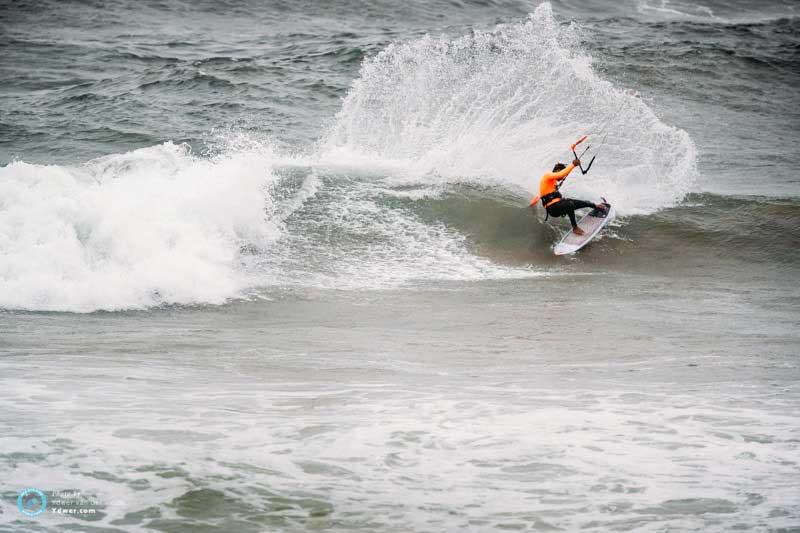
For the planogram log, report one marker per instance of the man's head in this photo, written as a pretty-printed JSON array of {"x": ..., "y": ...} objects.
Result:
[{"x": 559, "y": 167}]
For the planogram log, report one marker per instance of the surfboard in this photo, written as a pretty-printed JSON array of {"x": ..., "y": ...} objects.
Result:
[{"x": 591, "y": 223}]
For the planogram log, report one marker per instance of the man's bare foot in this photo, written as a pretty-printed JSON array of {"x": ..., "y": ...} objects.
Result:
[{"x": 578, "y": 231}]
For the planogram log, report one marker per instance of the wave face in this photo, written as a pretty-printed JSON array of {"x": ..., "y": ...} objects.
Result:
[
  {"x": 505, "y": 105},
  {"x": 128, "y": 231}
]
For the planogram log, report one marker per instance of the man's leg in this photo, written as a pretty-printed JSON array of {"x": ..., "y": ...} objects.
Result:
[
  {"x": 580, "y": 204},
  {"x": 567, "y": 206},
  {"x": 571, "y": 215},
  {"x": 571, "y": 205},
  {"x": 564, "y": 207}
]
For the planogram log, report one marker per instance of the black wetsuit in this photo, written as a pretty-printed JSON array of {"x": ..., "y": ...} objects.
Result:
[{"x": 567, "y": 206}]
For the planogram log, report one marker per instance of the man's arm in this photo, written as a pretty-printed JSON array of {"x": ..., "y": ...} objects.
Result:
[{"x": 562, "y": 174}]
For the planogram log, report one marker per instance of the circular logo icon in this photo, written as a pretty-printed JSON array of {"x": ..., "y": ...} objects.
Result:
[{"x": 31, "y": 502}]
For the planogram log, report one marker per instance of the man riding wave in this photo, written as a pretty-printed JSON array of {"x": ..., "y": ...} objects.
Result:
[{"x": 555, "y": 204}]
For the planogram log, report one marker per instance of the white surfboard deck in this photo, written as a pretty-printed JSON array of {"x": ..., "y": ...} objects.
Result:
[{"x": 592, "y": 223}]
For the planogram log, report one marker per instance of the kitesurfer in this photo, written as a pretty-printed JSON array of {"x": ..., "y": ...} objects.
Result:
[{"x": 555, "y": 204}]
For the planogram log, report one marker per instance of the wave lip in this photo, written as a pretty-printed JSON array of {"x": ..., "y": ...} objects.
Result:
[
  {"x": 504, "y": 105},
  {"x": 150, "y": 227}
]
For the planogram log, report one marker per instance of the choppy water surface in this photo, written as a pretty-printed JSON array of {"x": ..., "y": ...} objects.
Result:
[{"x": 268, "y": 267}]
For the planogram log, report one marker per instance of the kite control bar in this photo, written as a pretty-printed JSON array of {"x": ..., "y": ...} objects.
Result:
[{"x": 576, "y": 143}]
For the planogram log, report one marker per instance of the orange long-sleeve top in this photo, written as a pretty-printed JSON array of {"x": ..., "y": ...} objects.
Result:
[{"x": 549, "y": 182}]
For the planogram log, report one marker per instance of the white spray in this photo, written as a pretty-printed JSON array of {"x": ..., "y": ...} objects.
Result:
[{"x": 505, "y": 105}]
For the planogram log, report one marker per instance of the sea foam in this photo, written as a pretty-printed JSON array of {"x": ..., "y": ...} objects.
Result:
[{"x": 153, "y": 226}]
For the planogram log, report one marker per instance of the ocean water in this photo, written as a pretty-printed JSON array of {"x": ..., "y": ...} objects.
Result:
[{"x": 267, "y": 266}]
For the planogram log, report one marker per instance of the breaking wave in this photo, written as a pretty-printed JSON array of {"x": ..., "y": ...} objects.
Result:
[
  {"x": 367, "y": 208},
  {"x": 132, "y": 230}
]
